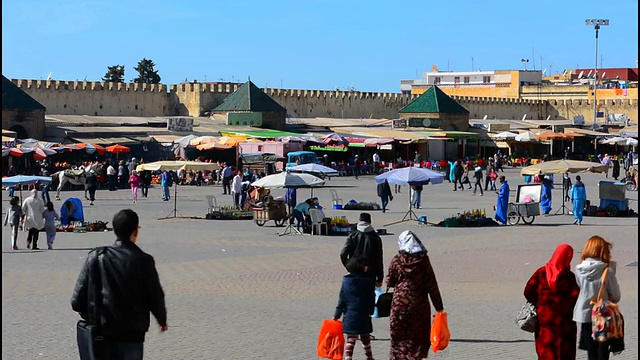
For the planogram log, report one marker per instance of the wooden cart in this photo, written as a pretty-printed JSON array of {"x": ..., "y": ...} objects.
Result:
[{"x": 277, "y": 213}]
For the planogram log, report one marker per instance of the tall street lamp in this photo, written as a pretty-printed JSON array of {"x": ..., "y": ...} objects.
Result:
[{"x": 596, "y": 23}]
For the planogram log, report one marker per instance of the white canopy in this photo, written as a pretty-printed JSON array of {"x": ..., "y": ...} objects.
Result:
[
  {"x": 526, "y": 136},
  {"x": 563, "y": 166},
  {"x": 505, "y": 135},
  {"x": 288, "y": 180},
  {"x": 177, "y": 165},
  {"x": 315, "y": 168}
]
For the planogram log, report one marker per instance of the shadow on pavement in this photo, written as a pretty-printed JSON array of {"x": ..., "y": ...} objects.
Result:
[{"x": 489, "y": 341}]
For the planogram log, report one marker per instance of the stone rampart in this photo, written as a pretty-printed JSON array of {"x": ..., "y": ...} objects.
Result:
[
  {"x": 132, "y": 99},
  {"x": 98, "y": 98}
]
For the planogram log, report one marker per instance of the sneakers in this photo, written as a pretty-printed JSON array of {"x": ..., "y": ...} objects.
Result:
[
  {"x": 35, "y": 248},
  {"x": 49, "y": 247},
  {"x": 575, "y": 221}
]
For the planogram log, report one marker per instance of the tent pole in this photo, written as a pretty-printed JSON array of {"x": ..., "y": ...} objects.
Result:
[{"x": 409, "y": 216}]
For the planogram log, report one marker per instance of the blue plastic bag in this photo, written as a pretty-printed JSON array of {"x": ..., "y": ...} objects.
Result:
[{"x": 378, "y": 292}]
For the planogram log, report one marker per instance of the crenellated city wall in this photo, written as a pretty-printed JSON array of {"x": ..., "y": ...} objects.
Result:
[
  {"x": 132, "y": 99},
  {"x": 98, "y": 98}
]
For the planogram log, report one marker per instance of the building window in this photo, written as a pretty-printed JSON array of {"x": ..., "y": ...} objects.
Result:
[
  {"x": 486, "y": 79},
  {"x": 466, "y": 79},
  {"x": 436, "y": 80},
  {"x": 456, "y": 80}
]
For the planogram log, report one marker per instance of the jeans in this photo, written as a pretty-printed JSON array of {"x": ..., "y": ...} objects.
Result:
[
  {"x": 384, "y": 200},
  {"x": 165, "y": 193},
  {"x": 416, "y": 198},
  {"x": 493, "y": 185},
  {"x": 487, "y": 181},
  {"x": 11, "y": 190},
  {"x": 45, "y": 196},
  {"x": 226, "y": 185},
  {"x": 123, "y": 351},
  {"x": 299, "y": 216}
]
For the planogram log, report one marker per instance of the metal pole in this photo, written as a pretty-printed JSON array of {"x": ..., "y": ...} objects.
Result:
[{"x": 595, "y": 84}]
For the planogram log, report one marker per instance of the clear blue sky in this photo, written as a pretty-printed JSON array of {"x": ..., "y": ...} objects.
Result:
[{"x": 309, "y": 44}]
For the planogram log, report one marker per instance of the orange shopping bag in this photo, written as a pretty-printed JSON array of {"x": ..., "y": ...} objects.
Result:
[
  {"x": 440, "y": 334},
  {"x": 330, "y": 340}
]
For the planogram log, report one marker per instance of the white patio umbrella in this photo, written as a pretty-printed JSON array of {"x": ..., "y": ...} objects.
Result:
[
  {"x": 288, "y": 180},
  {"x": 526, "y": 137},
  {"x": 505, "y": 135},
  {"x": 315, "y": 168},
  {"x": 410, "y": 176}
]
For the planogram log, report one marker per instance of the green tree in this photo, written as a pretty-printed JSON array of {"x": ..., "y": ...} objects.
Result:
[
  {"x": 146, "y": 73},
  {"x": 114, "y": 74}
]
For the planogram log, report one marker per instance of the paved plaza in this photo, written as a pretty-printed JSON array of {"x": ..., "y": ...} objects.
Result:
[{"x": 238, "y": 291}]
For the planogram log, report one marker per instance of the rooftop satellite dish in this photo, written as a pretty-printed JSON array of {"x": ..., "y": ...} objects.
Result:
[
  {"x": 524, "y": 117},
  {"x": 580, "y": 75},
  {"x": 564, "y": 73},
  {"x": 544, "y": 72},
  {"x": 603, "y": 74},
  {"x": 49, "y": 77},
  {"x": 589, "y": 74},
  {"x": 548, "y": 117},
  {"x": 485, "y": 117},
  {"x": 434, "y": 68}
]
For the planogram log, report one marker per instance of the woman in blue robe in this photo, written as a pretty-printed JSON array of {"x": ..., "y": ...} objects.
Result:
[
  {"x": 578, "y": 197},
  {"x": 503, "y": 201},
  {"x": 545, "y": 201}
]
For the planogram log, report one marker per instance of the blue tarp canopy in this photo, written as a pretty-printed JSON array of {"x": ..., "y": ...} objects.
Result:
[
  {"x": 76, "y": 211},
  {"x": 12, "y": 181}
]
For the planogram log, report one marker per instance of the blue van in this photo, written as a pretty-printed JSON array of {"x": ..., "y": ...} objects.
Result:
[{"x": 300, "y": 157}]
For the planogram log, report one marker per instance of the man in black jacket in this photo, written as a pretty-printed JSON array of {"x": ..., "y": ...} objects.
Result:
[
  {"x": 384, "y": 192},
  {"x": 365, "y": 242},
  {"x": 129, "y": 289}
]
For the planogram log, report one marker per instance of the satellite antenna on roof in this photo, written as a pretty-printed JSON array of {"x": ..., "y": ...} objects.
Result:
[
  {"x": 49, "y": 76},
  {"x": 485, "y": 117},
  {"x": 580, "y": 75},
  {"x": 564, "y": 73},
  {"x": 589, "y": 74},
  {"x": 524, "y": 117},
  {"x": 85, "y": 78},
  {"x": 548, "y": 117},
  {"x": 544, "y": 72},
  {"x": 603, "y": 74}
]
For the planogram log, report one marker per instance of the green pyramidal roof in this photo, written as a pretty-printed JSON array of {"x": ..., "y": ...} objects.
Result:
[
  {"x": 249, "y": 97},
  {"x": 14, "y": 98},
  {"x": 434, "y": 100}
]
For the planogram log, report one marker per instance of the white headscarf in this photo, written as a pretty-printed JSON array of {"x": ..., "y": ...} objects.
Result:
[{"x": 409, "y": 243}]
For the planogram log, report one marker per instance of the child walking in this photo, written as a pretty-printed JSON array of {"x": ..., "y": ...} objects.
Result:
[
  {"x": 493, "y": 175},
  {"x": 356, "y": 302},
  {"x": 134, "y": 181},
  {"x": 50, "y": 216},
  {"x": 14, "y": 214}
]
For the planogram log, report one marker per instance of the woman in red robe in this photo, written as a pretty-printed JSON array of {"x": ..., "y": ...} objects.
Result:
[{"x": 554, "y": 291}]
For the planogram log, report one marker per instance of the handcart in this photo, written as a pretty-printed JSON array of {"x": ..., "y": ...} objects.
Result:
[
  {"x": 613, "y": 197},
  {"x": 527, "y": 205},
  {"x": 274, "y": 211}
]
